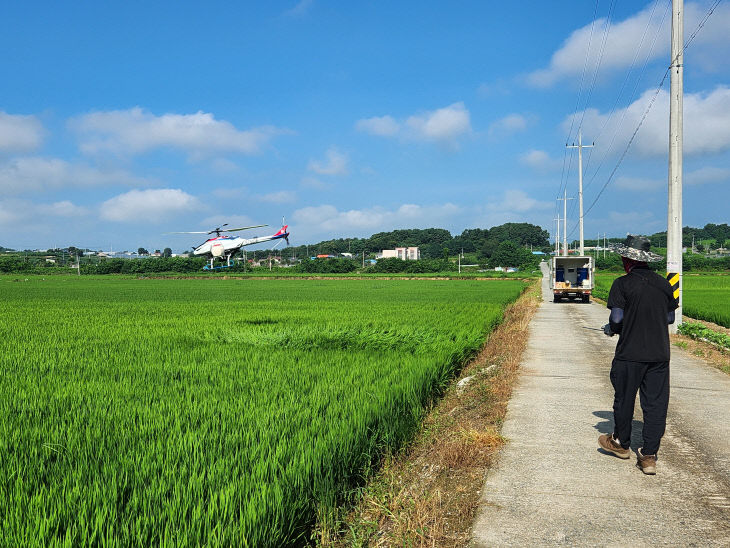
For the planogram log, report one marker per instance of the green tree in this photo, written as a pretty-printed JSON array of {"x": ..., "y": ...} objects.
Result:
[
  {"x": 508, "y": 253},
  {"x": 167, "y": 252}
]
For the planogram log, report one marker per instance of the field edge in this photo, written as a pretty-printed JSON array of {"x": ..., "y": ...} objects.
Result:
[{"x": 428, "y": 493}]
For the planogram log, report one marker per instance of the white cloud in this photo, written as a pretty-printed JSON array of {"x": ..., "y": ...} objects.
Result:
[
  {"x": 633, "y": 221},
  {"x": 135, "y": 131},
  {"x": 33, "y": 174},
  {"x": 514, "y": 206},
  {"x": 518, "y": 201},
  {"x": 224, "y": 166},
  {"x": 12, "y": 212},
  {"x": 508, "y": 125},
  {"x": 16, "y": 211},
  {"x": 64, "y": 208},
  {"x": 300, "y": 9},
  {"x": 148, "y": 205},
  {"x": 336, "y": 163},
  {"x": 444, "y": 125},
  {"x": 313, "y": 183},
  {"x": 230, "y": 193},
  {"x": 383, "y": 126},
  {"x": 706, "y": 124},
  {"x": 540, "y": 161},
  {"x": 706, "y": 175},
  {"x": 279, "y": 197},
  {"x": 498, "y": 87},
  {"x": 242, "y": 193},
  {"x": 639, "y": 183},
  {"x": 328, "y": 219},
  {"x": 19, "y": 132},
  {"x": 625, "y": 45}
]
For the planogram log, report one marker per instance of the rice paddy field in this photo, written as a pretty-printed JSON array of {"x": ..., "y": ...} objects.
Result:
[
  {"x": 705, "y": 297},
  {"x": 140, "y": 412}
]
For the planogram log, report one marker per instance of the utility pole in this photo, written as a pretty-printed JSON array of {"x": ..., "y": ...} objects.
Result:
[
  {"x": 580, "y": 146},
  {"x": 557, "y": 234},
  {"x": 674, "y": 213},
  {"x": 565, "y": 221}
]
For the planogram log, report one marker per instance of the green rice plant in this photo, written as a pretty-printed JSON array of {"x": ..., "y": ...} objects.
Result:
[
  {"x": 707, "y": 298},
  {"x": 214, "y": 412}
]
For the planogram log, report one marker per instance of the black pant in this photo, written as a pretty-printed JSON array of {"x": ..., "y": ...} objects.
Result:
[{"x": 653, "y": 380}]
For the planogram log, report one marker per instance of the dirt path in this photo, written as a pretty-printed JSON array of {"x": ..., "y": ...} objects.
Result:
[{"x": 552, "y": 486}]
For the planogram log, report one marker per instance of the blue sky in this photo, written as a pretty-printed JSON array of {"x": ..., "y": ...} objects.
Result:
[{"x": 122, "y": 121}]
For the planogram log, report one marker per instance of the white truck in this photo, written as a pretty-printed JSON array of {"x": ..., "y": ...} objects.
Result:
[{"x": 572, "y": 277}]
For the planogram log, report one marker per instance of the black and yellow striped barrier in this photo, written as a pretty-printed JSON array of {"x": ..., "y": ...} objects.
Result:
[{"x": 673, "y": 278}]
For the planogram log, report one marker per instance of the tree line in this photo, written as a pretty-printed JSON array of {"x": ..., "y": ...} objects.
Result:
[{"x": 434, "y": 243}]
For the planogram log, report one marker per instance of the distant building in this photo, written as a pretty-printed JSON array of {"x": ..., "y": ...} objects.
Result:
[{"x": 404, "y": 253}]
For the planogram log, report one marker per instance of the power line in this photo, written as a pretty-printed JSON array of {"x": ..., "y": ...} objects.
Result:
[
  {"x": 564, "y": 174},
  {"x": 648, "y": 108},
  {"x": 606, "y": 30},
  {"x": 606, "y": 150},
  {"x": 585, "y": 66}
]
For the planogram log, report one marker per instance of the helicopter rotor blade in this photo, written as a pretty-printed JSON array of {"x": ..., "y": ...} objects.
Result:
[
  {"x": 216, "y": 230},
  {"x": 242, "y": 228}
]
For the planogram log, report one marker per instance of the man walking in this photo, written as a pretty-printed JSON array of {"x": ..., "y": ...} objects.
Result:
[{"x": 642, "y": 306}]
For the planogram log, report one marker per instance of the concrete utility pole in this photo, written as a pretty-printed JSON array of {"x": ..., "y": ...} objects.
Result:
[
  {"x": 674, "y": 213},
  {"x": 565, "y": 221},
  {"x": 580, "y": 146},
  {"x": 557, "y": 234}
]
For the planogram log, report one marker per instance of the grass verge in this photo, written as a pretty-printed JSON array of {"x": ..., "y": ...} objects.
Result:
[
  {"x": 714, "y": 355},
  {"x": 427, "y": 495}
]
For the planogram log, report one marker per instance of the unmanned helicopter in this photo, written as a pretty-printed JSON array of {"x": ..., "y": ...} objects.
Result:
[{"x": 224, "y": 247}]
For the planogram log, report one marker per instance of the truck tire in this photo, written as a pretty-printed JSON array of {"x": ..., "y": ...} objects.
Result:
[
  {"x": 556, "y": 298},
  {"x": 586, "y": 298}
]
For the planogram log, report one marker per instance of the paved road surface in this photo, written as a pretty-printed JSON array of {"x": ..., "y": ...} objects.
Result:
[{"x": 553, "y": 486}]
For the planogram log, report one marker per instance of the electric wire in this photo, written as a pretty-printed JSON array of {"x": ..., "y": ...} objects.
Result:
[
  {"x": 583, "y": 73},
  {"x": 648, "y": 108},
  {"x": 606, "y": 31},
  {"x": 563, "y": 175},
  {"x": 609, "y": 118},
  {"x": 609, "y": 148}
]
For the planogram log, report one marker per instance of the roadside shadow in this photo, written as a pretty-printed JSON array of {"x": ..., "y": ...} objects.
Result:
[{"x": 606, "y": 427}]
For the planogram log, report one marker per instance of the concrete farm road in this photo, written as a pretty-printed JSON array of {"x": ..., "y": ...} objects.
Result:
[{"x": 552, "y": 485}]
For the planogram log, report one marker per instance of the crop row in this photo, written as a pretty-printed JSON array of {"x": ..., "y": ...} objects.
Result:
[{"x": 214, "y": 412}]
